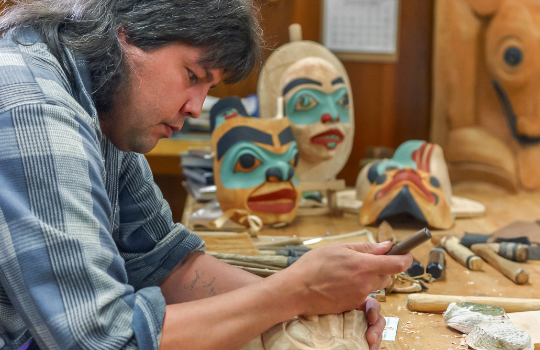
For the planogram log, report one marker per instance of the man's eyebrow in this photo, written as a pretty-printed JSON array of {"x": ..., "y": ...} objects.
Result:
[
  {"x": 209, "y": 77},
  {"x": 297, "y": 82},
  {"x": 337, "y": 81}
]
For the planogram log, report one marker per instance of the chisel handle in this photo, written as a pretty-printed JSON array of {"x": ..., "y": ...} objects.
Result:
[
  {"x": 461, "y": 254},
  {"x": 510, "y": 269}
]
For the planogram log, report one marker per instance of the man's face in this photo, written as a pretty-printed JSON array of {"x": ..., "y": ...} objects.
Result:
[{"x": 164, "y": 87}]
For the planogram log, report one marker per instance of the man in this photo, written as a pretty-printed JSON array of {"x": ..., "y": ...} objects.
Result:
[{"x": 89, "y": 255}]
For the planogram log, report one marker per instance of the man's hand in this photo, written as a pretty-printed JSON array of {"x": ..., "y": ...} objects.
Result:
[
  {"x": 372, "y": 309},
  {"x": 339, "y": 277}
]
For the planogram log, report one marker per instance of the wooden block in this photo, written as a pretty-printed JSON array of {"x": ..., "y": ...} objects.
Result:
[{"x": 529, "y": 321}]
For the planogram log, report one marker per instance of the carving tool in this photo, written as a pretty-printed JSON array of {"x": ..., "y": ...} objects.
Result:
[
  {"x": 439, "y": 303},
  {"x": 510, "y": 269},
  {"x": 436, "y": 262},
  {"x": 410, "y": 243},
  {"x": 461, "y": 254},
  {"x": 416, "y": 268},
  {"x": 266, "y": 260},
  {"x": 511, "y": 251}
]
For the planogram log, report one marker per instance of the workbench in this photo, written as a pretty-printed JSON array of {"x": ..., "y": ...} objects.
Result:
[{"x": 423, "y": 331}]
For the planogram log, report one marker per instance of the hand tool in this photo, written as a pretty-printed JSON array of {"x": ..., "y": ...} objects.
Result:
[
  {"x": 436, "y": 262},
  {"x": 416, "y": 268},
  {"x": 461, "y": 254},
  {"x": 410, "y": 243},
  {"x": 510, "y": 269},
  {"x": 511, "y": 251},
  {"x": 439, "y": 303}
]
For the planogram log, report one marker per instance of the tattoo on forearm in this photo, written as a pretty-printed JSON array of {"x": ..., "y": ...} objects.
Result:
[
  {"x": 194, "y": 281},
  {"x": 209, "y": 284},
  {"x": 212, "y": 291}
]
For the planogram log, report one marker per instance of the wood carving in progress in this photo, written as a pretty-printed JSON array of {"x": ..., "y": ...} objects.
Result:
[
  {"x": 486, "y": 110},
  {"x": 345, "y": 331}
]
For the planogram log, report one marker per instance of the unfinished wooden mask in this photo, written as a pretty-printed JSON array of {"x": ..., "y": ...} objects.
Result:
[
  {"x": 317, "y": 99},
  {"x": 415, "y": 182},
  {"x": 346, "y": 331},
  {"x": 254, "y": 166},
  {"x": 487, "y": 90}
]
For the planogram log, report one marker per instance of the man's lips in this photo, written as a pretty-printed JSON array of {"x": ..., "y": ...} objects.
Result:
[
  {"x": 330, "y": 138},
  {"x": 280, "y": 202},
  {"x": 410, "y": 176}
]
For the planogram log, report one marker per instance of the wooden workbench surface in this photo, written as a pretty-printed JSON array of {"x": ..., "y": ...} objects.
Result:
[{"x": 429, "y": 331}]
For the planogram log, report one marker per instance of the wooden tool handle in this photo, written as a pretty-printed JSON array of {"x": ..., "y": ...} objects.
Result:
[
  {"x": 510, "y": 269},
  {"x": 284, "y": 242},
  {"x": 276, "y": 260},
  {"x": 512, "y": 251},
  {"x": 461, "y": 254},
  {"x": 439, "y": 303}
]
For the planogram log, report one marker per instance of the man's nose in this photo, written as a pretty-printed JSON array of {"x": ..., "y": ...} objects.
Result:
[{"x": 193, "y": 106}]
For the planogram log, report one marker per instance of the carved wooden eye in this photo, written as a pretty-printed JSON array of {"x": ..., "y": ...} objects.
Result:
[
  {"x": 246, "y": 163},
  {"x": 344, "y": 101},
  {"x": 513, "y": 56},
  {"x": 305, "y": 102}
]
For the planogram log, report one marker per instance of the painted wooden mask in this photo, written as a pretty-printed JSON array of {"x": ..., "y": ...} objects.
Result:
[
  {"x": 254, "y": 166},
  {"x": 316, "y": 99},
  {"x": 317, "y": 95},
  {"x": 415, "y": 182}
]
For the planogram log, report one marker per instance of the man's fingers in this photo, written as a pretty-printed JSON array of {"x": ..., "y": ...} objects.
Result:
[
  {"x": 391, "y": 264},
  {"x": 374, "y": 333},
  {"x": 372, "y": 310},
  {"x": 370, "y": 248}
]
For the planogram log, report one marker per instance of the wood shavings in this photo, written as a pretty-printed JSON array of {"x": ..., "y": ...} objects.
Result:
[{"x": 430, "y": 315}]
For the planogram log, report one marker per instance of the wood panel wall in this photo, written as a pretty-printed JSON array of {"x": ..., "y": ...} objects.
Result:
[{"x": 392, "y": 100}]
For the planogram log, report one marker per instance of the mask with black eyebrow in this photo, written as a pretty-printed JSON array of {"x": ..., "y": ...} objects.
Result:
[
  {"x": 254, "y": 167},
  {"x": 317, "y": 101},
  {"x": 414, "y": 181}
]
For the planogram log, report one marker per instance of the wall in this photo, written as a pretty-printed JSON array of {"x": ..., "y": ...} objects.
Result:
[{"x": 392, "y": 100}]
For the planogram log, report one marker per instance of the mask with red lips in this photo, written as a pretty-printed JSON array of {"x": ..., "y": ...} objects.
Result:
[
  {"x": 318, "y": 103},
  {"x": 254, "y": 166},
  {"x": 415, "y": 182}
]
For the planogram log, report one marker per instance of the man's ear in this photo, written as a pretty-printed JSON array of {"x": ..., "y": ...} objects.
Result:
[
  {"x": 122, "y": 36},
  {"x": 484, "y": 8}
]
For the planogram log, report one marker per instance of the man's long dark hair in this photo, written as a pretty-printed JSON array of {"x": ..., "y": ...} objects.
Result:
[{"x": 228, "y": 31}]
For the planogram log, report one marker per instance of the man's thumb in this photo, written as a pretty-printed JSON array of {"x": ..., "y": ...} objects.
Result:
[{"x": 371, "y": 248}]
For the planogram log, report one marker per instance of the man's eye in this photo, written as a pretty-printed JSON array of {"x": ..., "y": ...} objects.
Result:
[
  {"x": 344, "y": 101},
  {"x": 246, "y": 163},
  {"x": 192, "y": 77},
  {"x": 305, "y": 102}
]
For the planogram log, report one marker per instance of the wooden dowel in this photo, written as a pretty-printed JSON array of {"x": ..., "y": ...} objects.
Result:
[
  {"x": 510, "y": 269},
  {"x": 258, "y": 272},
  {"x": 276, "y": 261},
  {"x": 461, "y": 254},
  {"x": 439, "y": 303},
  {"x": 250, "y": 264}
]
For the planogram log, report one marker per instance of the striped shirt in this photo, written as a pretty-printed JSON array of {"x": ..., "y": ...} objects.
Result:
[{"x": 85, "y": 234}]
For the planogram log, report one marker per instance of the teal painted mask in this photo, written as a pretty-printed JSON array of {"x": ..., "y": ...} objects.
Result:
[
  {"x": 317, "y": 101},
  {"x": 254, "y": 167}
]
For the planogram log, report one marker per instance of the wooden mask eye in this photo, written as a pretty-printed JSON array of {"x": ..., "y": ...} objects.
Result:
[
  {"x": 344, "y": 101},
  {"x": 305, "y": 102},
  {"x": 246, "y": 163}
]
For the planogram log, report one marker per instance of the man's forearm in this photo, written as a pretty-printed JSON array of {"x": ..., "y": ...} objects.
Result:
[
  {"x": 201, "y": 276},
  {"x": 242, "y": 307}
]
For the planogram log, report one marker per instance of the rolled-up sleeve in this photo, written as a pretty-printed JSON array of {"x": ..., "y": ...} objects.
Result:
[{"x": 80, "y": 274}]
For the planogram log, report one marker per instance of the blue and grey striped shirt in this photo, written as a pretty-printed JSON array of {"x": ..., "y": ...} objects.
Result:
[{"x": 85, "y": 234}]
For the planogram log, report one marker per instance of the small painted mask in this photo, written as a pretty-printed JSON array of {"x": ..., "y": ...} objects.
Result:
[
  {"x": 254, "y": 166},
  {"x": 415, "y": 182},
  {"x": 317, "y": 101}
]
